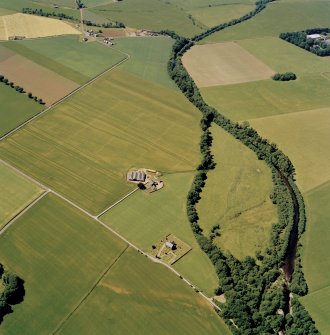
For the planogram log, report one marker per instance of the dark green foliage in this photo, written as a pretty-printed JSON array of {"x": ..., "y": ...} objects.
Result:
[
  {"x": 13, "y": 291},
  {"x": 287, "y": 76},
  {"x": 316, "y": 46}
]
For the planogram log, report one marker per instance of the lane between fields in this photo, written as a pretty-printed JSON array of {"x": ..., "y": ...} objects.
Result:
[{"x": 96, "y": 218}]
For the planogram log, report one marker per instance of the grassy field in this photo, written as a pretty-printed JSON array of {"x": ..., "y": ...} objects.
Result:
[
  {"x": 223, "y": 64},
  {"x": 277, "y": 18},
  {"x": 149, "y": 57},
  {"x": 147, "y": 218},
  {"x": 60, "y": 254},
  {"x": 316, "y": 258},
  {"x": 78, "y": 147},
  {"x": 305, "y": 138},
  {"x": 15, "y": 108},
  {"x": 268, "y": 97},
  {"x": 15, "y": 194},
  {"x": 149, "y": 14},
  {"x": 213, "y": 15},
  {"x": 32, "y": 26},
  {"x": 77, "y": 61},
  {"x": 156, "y": 300},
  {"x": 236, "y": 197},
  {"x": 195, "y": 4}
]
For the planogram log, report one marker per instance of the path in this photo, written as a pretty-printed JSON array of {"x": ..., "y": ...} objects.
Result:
[{"x": 96, "y": 218}]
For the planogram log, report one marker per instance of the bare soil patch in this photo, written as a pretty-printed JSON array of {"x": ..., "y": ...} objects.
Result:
[
  {"x": 36, "y": 79},
  {"x": 224, "y": 64}
]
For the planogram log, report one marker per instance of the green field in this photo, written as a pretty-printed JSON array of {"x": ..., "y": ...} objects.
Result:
[
  {"x": 15, "y": 194},
  {"x": 15, "y": 108},
  {"x": 78, "y": 147},
  {"x": 147, "y": 218},
  {"x": 77, "y": 61},
  {"x": 277, "y": 18},
  {"x": 305, "y": 138},
  {"x": 267, "y": 97},
  {"x": 236, "y": 197},
  {"x": 60, "y": 254},
  {"x": 149, "y": 14},
  {"x": 195, "y": 4},
  {"x": 316, "y": 258},
  {"x": 139, "y": 297},
  {"x": 148, "y": 58},
  {"x": 213, "y": 15}
]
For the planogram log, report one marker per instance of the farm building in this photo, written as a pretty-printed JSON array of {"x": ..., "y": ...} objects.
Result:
[
  {"x": 314, "y": 36},
  {"x": 136, "y": 176},
  {"x": 170, "y": 245}
]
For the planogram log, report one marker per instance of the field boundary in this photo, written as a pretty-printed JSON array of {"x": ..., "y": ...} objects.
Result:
[
  {"x": 107, "y": 269},
  {"x": 22, "y": 211},
  {"x": 49, "y": 108}
]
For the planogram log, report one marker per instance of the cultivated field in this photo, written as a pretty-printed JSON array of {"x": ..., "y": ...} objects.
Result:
[
  {"x": 78, "y": 147},
  {"x": 149, "y": 14},
  {"x": 316, "y": 258},
  {"x": 305, "y": 138},
  {"x": 223, "y": 64},
  {"x": 213, "y": 15},
  {"x": 60, "y": 254},
  {"x": 268, "y": 97},
  {"x": 277, "y": 18},
  {"x": 149, "y": 58},
  {"x": 77, "y": 61},
  {"x": 147, "y": 218},
  {"x": 32, "y": 26},
  {"x": 155, "y": 300},
  {"x": 34, "y": 78},
  {"x": 15, "y": 108},
  {"x": 16, "y": 193},
  {"x": 236, "y": 197}
]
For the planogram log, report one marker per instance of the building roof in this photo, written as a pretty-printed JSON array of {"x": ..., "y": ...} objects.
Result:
[
  {"x": 314, "y": 36},
  {"x": 136, "y": 176}
]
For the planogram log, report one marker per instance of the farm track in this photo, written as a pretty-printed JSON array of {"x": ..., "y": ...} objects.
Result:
[{"x": 96, "y": 218}]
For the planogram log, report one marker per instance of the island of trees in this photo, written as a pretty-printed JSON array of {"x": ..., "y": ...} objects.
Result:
[{"x": 287, "y": 76}]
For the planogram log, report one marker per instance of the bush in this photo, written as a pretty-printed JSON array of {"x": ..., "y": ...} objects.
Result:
[{"x": 287, "y": 76}]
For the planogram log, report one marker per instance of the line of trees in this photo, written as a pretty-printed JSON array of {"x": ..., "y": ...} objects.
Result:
[
  {"x": 255, "y": 293},
  {"x": 317, "y": 46},
  {"x": 20, "y": 89},
  {"x": 12, "y": 292},
  {"x": 286, "y": 76},
  {"x": 61, "y": 16}
]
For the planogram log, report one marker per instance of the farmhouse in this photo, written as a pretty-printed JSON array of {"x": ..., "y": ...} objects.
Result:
[
  {"x": 139, "y": 176},
  {"x": 314, "y": 36},
  {"x": 170, "y": 245}
]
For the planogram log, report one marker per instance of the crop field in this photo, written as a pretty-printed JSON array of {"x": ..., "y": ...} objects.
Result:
[
  {"x": 195, "y": 4},
  {"x": 156, "y": 301},
  {"x": 305, "y": 138},
  {"x": 149, "y": 58},
  {"x": 60, "y": 253},
  {"x": 146, "y": 218},
  {"x": 276, "y": 19},
  {"x": 223, "y": 64},
  {"x": 50, "y": 86},
  {"x": 78, "y": 147},
  {"x": 213, "y": 15},
  {"x": 268, "y": 97},
  {"x": 316, "y": 257},
  {"x": 15, "y": 109},
  {"x": 32, "y": 26},
  {"x": 149, "y": 14},
  {"x": 15, "y": 194},
  {"x": 236, "y": 197},
  {"x": 77, "y": 61}
]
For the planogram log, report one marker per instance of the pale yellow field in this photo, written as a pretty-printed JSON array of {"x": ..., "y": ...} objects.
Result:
[
  {"x": 305, "y": 138},
  {"x": 224, "y": 64},
  {"x": 32, "y": 26},
  {"x": 38, "y": 80}
]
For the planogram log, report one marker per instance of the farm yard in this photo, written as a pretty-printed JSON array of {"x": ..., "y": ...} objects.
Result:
[
  {"x": 145, "y": 219},
  {"x": 223, "y": 64},
  {"x": 15, "y": 194},
  {"x": 242, "y": 209}
]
